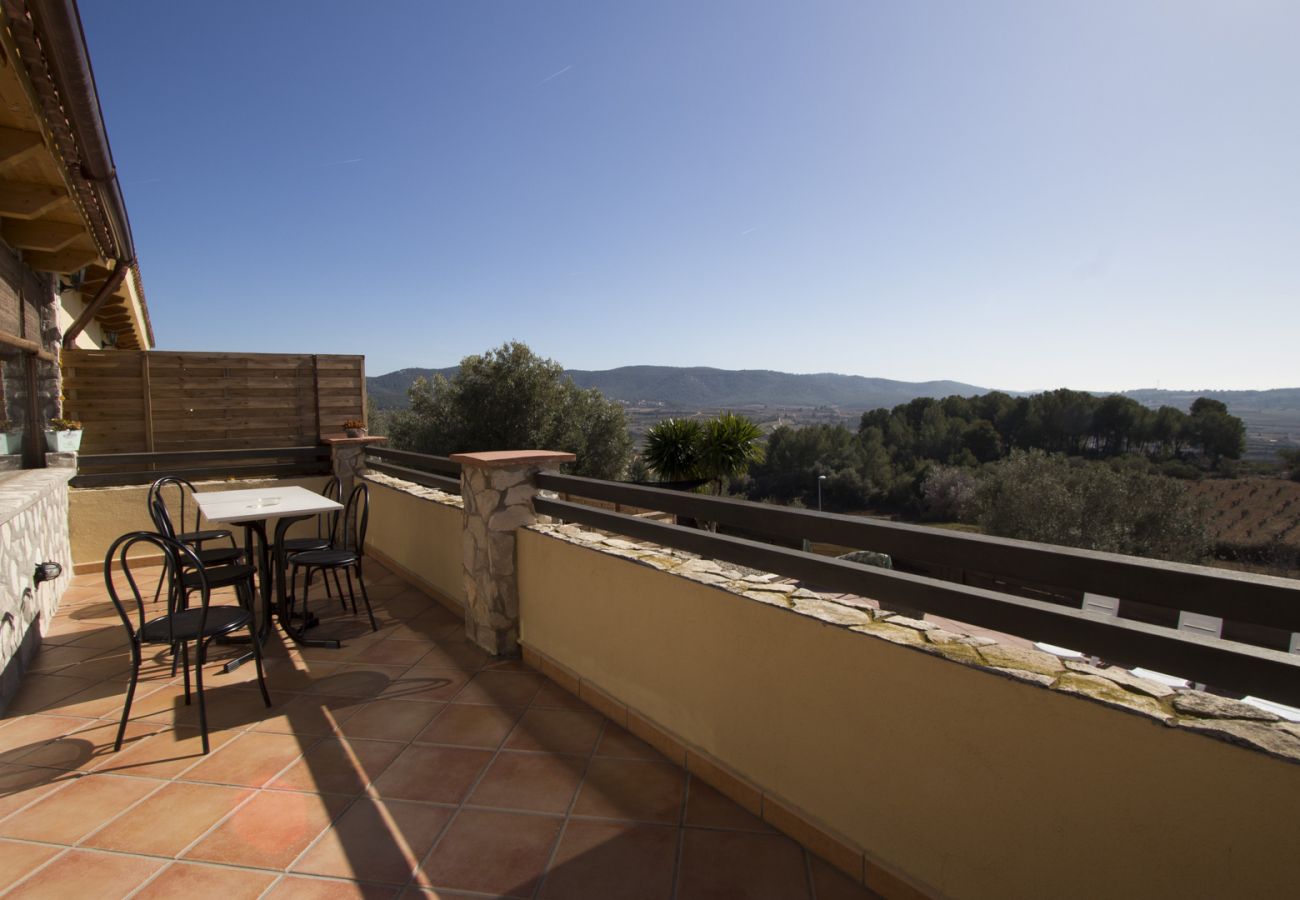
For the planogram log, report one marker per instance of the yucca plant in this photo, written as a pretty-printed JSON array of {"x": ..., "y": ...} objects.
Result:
[
  {"x": 673, "y": 448},
  {"x": 730, "y": 447}
]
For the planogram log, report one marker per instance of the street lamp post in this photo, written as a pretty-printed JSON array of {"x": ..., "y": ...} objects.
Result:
[{"x": 820, "y": 479}]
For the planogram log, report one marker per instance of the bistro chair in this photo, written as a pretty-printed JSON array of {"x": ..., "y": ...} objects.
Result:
[
  {"x": 195, "y": 538},
  {"x": 219, "y": 570},
  {"x": 182, "y": 624},
  {"x": 345, "y": 555},
  {"x": 326, "y": 526},
  {"x": 194, "y": 534}
]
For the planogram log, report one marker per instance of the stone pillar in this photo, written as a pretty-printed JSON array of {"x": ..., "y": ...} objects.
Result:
[
  {"x": 348, "y": 459},
  {"x": 498, "y": 491}
]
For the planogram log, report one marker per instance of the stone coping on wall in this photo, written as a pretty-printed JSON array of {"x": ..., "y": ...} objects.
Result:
[
  {"x": 1197, "y": 711},
  {"x": 20, "y": 490},
  {"x": 502, "y": 459},
  {"x": 433, "y": 495}
]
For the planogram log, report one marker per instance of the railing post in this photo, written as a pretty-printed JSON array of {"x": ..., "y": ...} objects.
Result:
[
  {"x": 498, "y": 491},
  {"x": 348, "y": 458}
]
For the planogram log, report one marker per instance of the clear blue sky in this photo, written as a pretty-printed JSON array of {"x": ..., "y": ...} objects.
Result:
[{"x": 1101, "y": 195}]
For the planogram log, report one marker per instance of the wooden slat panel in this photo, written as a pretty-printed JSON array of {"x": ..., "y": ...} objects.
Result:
[{"x": 194, "y": 401}]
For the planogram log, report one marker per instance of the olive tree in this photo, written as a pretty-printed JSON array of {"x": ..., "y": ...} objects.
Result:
[{"x": 512, "y": 399}]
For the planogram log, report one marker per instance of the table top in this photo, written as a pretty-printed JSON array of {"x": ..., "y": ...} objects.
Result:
[{"x": 262, "y": 503}]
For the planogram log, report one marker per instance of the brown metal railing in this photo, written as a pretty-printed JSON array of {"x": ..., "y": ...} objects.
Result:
[
  {"x": 420, "y": 468},
  {"x": 1255, "y": 600}
]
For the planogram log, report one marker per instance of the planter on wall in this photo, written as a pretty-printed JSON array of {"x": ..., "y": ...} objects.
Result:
[
  {"x": 63, "y": 441},
  {"x": 11, "y": 442}
]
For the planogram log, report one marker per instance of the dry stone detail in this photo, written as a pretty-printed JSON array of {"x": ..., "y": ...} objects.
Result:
[{"x": 497, "y": 501}]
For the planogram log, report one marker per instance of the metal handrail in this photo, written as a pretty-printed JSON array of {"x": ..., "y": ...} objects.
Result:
[{"x": 1228, "y": 664}]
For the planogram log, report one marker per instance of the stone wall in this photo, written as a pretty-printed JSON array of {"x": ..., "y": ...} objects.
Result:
[{"x": 33, "y": 529}]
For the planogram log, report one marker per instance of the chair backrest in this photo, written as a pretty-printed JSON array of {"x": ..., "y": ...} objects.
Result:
[
  {"x": 158, "y": 492},
  {"x": 333, "y": 489},
  {"x": 356, "y": 517},
  {"x": 175, "y": 557},
  {"x": 161, "y": 518}
]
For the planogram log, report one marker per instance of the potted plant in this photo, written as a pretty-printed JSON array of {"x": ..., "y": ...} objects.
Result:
[
  {"x": 11, "y": 438},
  {"x": 63, "y": 435},
  {"x": 354, "y": 428}
]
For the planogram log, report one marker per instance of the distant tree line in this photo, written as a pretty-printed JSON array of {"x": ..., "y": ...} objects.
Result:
[{"x": 886, "y": 461}]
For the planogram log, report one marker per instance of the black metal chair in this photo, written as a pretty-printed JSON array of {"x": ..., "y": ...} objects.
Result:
[
  {"x": 219, "y": 568},
  {"x": 195, "y": 538},
  {"x": 196, "y": 535},
  {"x": 345, "y": 555},
  {"x": 183, "y": 575},
  {"x": 327, "y": 525}
]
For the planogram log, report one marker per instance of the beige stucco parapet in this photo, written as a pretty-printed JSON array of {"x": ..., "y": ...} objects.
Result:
[{"x": 1117, "y": 688}]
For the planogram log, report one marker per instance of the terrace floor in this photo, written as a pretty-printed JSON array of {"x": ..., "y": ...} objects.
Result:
[{"x": 408, "y": 763}]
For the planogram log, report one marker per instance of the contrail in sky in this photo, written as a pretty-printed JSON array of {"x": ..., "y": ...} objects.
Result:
[
  {"x": 343, "y": 162},
  {"x": 554, "y": 75}
]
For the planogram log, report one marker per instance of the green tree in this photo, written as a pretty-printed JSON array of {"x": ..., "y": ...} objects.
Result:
[
  {"x": 1051, "y": 498},
  {"x": 1290, "y": 457},
  {"x": 512, "y": 399},
  {"x": 1219, "y": 434}
]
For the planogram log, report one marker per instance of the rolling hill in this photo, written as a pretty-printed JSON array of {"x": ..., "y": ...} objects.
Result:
[{"x": 679, "y": 388}]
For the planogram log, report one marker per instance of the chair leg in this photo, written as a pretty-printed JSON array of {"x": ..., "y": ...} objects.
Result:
[
  {"x": 200, "y": 646},
  {"x": 352, "y": 594},
  {"x": 130, "y": 695},
  {"x": 185, "y": 666},
  {"x": 342, "y": 602},
  {"x": 257, "y": 661},
  {"x": 365, "y": 596},
  {"x": 306, "y": 590}
]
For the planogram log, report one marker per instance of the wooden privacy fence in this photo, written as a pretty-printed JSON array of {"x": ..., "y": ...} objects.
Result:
[{"x": 132, "y": 401}]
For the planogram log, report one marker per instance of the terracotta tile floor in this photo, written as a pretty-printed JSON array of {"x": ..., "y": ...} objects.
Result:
[{"x": 407, "y": 763}]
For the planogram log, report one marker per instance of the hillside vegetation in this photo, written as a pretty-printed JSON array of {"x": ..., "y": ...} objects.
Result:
[{"x": 702, "y": 387}]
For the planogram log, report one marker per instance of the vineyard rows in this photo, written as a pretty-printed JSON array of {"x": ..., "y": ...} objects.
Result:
[{"x": 1251, "y": 512}]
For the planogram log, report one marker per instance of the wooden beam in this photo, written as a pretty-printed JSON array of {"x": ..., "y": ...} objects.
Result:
[
  {"x": 88, "y": 314},
  {"x": 16, "y": 145},
  {"x": 20, "y": 200},
  {"x": 39, "y": 234},
  {"x": 35, "y": 349},
  {"x": 64, "y": 262}
]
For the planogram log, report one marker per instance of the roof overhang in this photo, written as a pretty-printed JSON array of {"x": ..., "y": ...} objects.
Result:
[{"x": 60, "y": 202}]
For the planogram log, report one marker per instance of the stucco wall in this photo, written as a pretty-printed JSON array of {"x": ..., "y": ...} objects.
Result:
[
  {"x": 419, "y": 531},
  {"x": 33, "y": 529},
  {"x": 100, "y": 515},
  {"x": 968, "y": 783}
]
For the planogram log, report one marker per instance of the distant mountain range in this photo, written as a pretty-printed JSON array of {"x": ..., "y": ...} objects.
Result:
[{"x": 685, "y": 388}]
